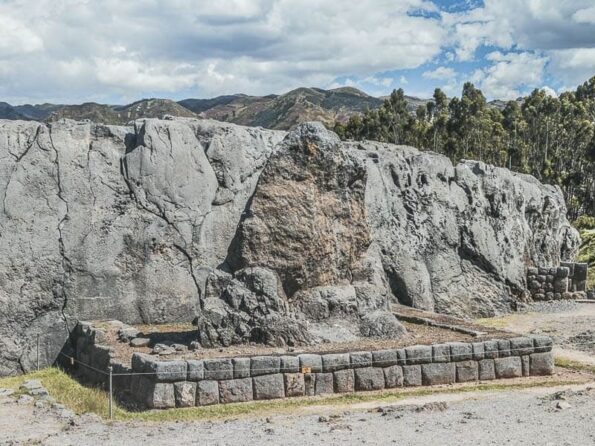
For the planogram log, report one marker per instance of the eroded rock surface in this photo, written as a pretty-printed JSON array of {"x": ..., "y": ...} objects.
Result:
[{"x": 164, "y": 221}]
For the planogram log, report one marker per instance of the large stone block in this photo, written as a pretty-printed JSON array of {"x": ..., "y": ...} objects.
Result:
[
  {"x": 309, "y": 384},
  {"x": 344, "y": 381},
  {"x": 235, "y": 390},
  {"x": 324, "y": 383},
  {"x": 165, "y": 371},
  {"x": 541, "y": 364},
  {"x": 265, "y": 365},
  {"x": 294, "y": 384},
  {"x": 460, "y": 351},
  {"x": 160, "y": 396},
  {"x": 384, "y": 358},
  {"x": 241, "y": 367},
  {"x": 521, "y": 346},
  {"x": 490, "y": 349},
  {"x": 268, "y": 387},
  {"x": 526, "y": 361},
  {"x": 360, "y": 359},
  {"x": 441, "y": 353},
  {"x": 401, "y": 357},
  {"x": 289, "y": 364},
  {"x": 412, "y": 375},
  {"x": 418, "y": 354},
  {"x": 542, "y": 344},
  {"x": 560, "y": 285},
  {"x": 467, "y": 371},
  {"x": 393, "y": 376},
  {"x": 438, "y": 373},
  {"x": 218, "y": 369},
  {"x": 185, "y": 394},
  {"x": 510, "y": 367},
  {"x": 478, "y": 350},
  {"x": 311, "y": 361},
  {"x": 196, "y": 370},
  {"x": 487, "y": 370},
  {"x": 335, "y": 361},
  {"x": 207, "y": 393},
  {"x": 503, "y": 348},
  {"x": 369, "y": 378}
]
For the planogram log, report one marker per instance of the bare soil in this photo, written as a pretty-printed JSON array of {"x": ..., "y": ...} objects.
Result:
[{"x": 417, "y": 334}]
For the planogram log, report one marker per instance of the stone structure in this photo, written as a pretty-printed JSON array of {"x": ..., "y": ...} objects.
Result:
[
  {"x": 157, "y": 384},
  {"x": 568, "y": 281},
  {"x": 263, "y": 236}
]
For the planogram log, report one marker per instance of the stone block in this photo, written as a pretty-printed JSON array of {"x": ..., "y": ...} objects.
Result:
[
  {"x": 324, "y": 384},
  {"x": 570, "y": 266},
  {"x": 580, "y": 273},
  {"x": 384, "y": 358},
  {"x": 460, "y": 351},
  {"x": 549, "y": 295},
  {"x": 241, "y": 367},
  {"x": 526, "y": 362},
  {"x": 541, "y": 364},
  {"x": 167, "y": 371},
  {"x": 487, "y": 369},
  {"x": 438, "y": 373},
  {"x": 160, "y": 396},
  {"x": 393, "y": 376},
  {"x": 185, "y": 394},
  {"x": 550, "y": 278},
  {"x": 503, "y": 348},
  {"x": 289, "y": 364},
  {"x": 196, "y": 370},
  {"x": 294, "y": 384},
  {"x": 490, "y": 349},
  {"x": 218, "y": 369},
  {"x": 557, "y": 296},
  {"x": 478, "y": 350},
  {"x": 401, "y": 357},
  {"x": 560, "y": 285},
  {"x": 562, "y": 272},
  {"x": 235, "y": 390},
  {"x": 335, "y": 361},
  {"x": 309, "y": 383},
  {"x": 441, "y": 353},
  {"x": 541, "y": 278},
  {"x": 412, "y": 375},
  {"x": 542, "y": 344},
  {"x": 360, "y": 359},
  {"x": 344, "y": 381},
  {"x": 532, "y": 271},
  {"x": 418, "y": 354},
  {"x": 207, "y": 393},
  {"x": 510, "y": 367},
  {"x": 467, "y": 371},
  {"x": 312, "y": 361},
  {"x": 369, "y": 378},
  {"x": 521, "y": 346},
  {"x": 265, "y": 365},
  {"x": 268, "y": 387},
  {"x": 534, "y": 285}
]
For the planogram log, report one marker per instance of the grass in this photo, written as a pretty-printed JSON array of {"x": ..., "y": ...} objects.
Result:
[
  {"x": 587, "y": 254},
  {"x": 82, "y": 399},
  {"x": 574, "y": 365}
]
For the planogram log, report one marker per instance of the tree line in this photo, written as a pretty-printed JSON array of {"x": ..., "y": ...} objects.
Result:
[{"x": 551, "y": 138}]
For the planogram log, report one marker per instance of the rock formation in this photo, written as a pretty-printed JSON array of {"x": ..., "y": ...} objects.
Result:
[{"x": 263, "y": 236}]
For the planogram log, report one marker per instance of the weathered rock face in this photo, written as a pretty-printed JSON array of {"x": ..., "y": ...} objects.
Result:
[{"x": 164, "y": 221}]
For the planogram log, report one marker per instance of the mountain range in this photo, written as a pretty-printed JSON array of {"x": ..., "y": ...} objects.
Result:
[{"x": 281, "y": 112}]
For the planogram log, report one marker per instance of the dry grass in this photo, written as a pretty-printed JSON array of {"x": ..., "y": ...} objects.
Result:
[
  {"x": 82, "y": 399},
  {"x": 574, "y": 365}
]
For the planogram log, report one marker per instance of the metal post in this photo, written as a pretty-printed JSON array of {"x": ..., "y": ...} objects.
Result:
[
  {"x": 110, "y": 368},
  {"x": 37, "y": 352}
]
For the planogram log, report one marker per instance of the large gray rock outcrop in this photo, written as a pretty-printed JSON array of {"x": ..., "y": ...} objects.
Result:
[{"x": 163, "y": 220}]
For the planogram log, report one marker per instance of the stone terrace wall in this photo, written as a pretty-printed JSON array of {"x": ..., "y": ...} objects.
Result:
[
  {"x": 568, "y": 281},
  {"x": 185, "y": 383}
]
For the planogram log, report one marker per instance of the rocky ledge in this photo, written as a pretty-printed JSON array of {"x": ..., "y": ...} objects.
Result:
[{"x": 259, "y": 235}]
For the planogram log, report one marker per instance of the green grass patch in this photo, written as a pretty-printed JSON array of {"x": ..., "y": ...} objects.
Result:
[
  {"x": 574, "y": 365},
  {"x": 587, "y": 253},
  {"x": 81, "y": 399}
]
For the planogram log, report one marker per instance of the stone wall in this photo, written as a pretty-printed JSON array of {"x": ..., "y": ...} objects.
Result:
[
  {"x": 157, "y": 384},
  {"x": 568, "y": 281}
]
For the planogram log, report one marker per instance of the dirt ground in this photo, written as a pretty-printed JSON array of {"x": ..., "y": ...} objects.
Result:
[{"x": 532, "y": 416}]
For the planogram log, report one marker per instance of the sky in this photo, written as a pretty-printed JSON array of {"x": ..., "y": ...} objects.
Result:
[{"x": 118, "y": 51}]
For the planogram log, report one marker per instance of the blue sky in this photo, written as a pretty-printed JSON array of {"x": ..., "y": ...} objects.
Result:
[{"x": 115, "y": 51}]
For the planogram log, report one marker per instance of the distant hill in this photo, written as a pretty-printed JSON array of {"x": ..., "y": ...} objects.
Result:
[{"x": 273, "y": 111}]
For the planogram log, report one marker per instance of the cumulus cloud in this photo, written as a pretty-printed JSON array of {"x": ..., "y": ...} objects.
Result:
[{"x": 440, "y": 73}]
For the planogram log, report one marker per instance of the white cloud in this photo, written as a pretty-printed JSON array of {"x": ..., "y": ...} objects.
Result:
[
  {"x": 508, "y": 73},
  {"x": 16, "y": 38},
  {"x": 586, "y": 15},
  {"x": 440, "y": 73}
]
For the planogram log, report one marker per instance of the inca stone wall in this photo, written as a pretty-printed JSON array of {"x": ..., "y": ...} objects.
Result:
[
  {"x": 568, "y": 281},
  {"x": 153, "y": 383},
  {"x": 167, "y": 221}
]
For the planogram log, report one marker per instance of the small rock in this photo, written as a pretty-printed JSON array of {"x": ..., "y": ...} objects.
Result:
[
  {"x": 31, "y": 384},
  {"x": 140, "y": 342},
  {"x": 195, "y": 345},
  {"x": 6, "y": 392},
  {"x": 162, "y": 349},
  {"x": 322, "y": 419},
  {"x": 561, "y": 405},
  {"x": 179, "y": 347},
  {"x": 38, "y": 392}
]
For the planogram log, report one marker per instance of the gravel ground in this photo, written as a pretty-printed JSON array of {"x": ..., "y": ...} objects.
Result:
[{"x": 539, "y": 416}]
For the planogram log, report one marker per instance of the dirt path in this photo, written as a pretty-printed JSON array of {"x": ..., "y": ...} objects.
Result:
[{"x": 536, "y": 416}]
